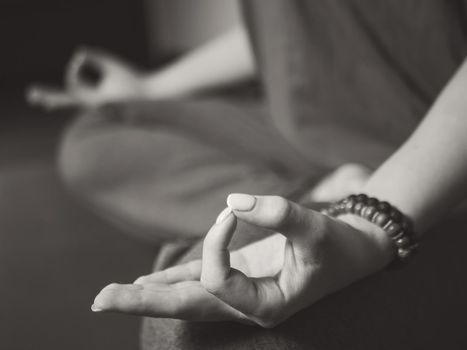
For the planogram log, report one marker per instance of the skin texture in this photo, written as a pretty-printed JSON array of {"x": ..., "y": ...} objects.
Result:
[
  {"x": 427, "y": 176},
  {"x": 320, "y": 255},
  {"x": 224, "y": 60},
  {"x": 312, "y": 255},
  {"x": 118, "y": 81}
]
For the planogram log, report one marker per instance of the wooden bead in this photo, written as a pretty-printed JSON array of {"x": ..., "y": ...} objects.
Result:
[
  {"x": 402, "y": 242},
  {"x": 381, "y": 219},
  {"x": 403, "y": 254},
  {"x": 349, "y": 206},
  {"x": 399, "y": 235},
  {"x": 393, "y": 229},
  {"x": 384, "y": 207},
  {"x": 362, "y": 198},
  {"x": 358, "y": 208},
  {"x": 340, "y": 208},
  {"x": 368, "y": 212},
  {"x": 396, "y": 215}
]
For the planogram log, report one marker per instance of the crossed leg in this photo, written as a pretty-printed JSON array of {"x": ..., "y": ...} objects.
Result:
[{"x": 162, "y": 170}]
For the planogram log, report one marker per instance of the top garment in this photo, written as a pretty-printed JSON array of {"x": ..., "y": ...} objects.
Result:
[{"x": 369, "y": 67}]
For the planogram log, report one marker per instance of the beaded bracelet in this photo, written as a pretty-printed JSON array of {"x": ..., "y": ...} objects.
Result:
[{"x": 392, "y": 221}]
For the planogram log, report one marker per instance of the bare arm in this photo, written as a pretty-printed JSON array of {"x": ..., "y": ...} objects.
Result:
[
  {"x": 427, "y": 176},
  {"x": 316, "y": 255},
  {"x": 221, "y": 61}
]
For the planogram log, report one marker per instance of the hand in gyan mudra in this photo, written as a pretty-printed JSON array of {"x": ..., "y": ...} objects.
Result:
[
  {"x": 309, "y": 256},
  {"x": 109, "y": 79}
]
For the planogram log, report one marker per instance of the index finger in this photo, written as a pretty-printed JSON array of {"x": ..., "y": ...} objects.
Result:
[
  {"x": 251, "y": 296},
  {"x": 49, "y": 97},
  {"x": 72, "y": 73}
]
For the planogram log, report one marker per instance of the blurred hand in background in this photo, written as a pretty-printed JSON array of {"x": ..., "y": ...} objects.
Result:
[{"x": 92, "y": 77}]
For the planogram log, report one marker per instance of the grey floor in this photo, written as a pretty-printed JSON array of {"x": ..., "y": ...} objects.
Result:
[{"x": 54, "y": 254}]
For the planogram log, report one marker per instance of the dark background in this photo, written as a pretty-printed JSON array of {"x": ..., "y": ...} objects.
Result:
[
  {"x": 41, "y": 35},
  {"x": 54, "y": 254}
]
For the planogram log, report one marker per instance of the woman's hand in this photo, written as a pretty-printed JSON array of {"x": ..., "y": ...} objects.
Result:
[
  {"x": 265, "y": 282},
  {"x": 116, "y": 81}
]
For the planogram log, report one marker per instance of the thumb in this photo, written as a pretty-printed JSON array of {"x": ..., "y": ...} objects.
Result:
[
  {"x": 73, "y": 69},
  {"x": 88, "y": 60}
]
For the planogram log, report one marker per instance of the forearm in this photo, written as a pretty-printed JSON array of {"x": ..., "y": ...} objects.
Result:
[
  {"x": 221, "y": 61},
  {"x": 427, "y": 176}
]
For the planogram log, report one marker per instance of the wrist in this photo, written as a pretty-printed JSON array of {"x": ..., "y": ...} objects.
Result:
[
  {"x": 166, "y": 83},
  {"x": 395, "y": 224},
  {"x": 402, "y": 200},
  {"x": 148, "y": 86},
  {"x": 152, "y": 86},
  {"x": 384, "y": 251}
]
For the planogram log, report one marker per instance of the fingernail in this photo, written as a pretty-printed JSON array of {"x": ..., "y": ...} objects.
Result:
[
  {"x": 223, "y": 215},
  {"x": 241, "y": 202},
  {"x": 94, "y": 308}
]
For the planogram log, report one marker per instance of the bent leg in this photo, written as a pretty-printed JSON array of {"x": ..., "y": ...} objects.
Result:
[{"x": 164, "y": 169}]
